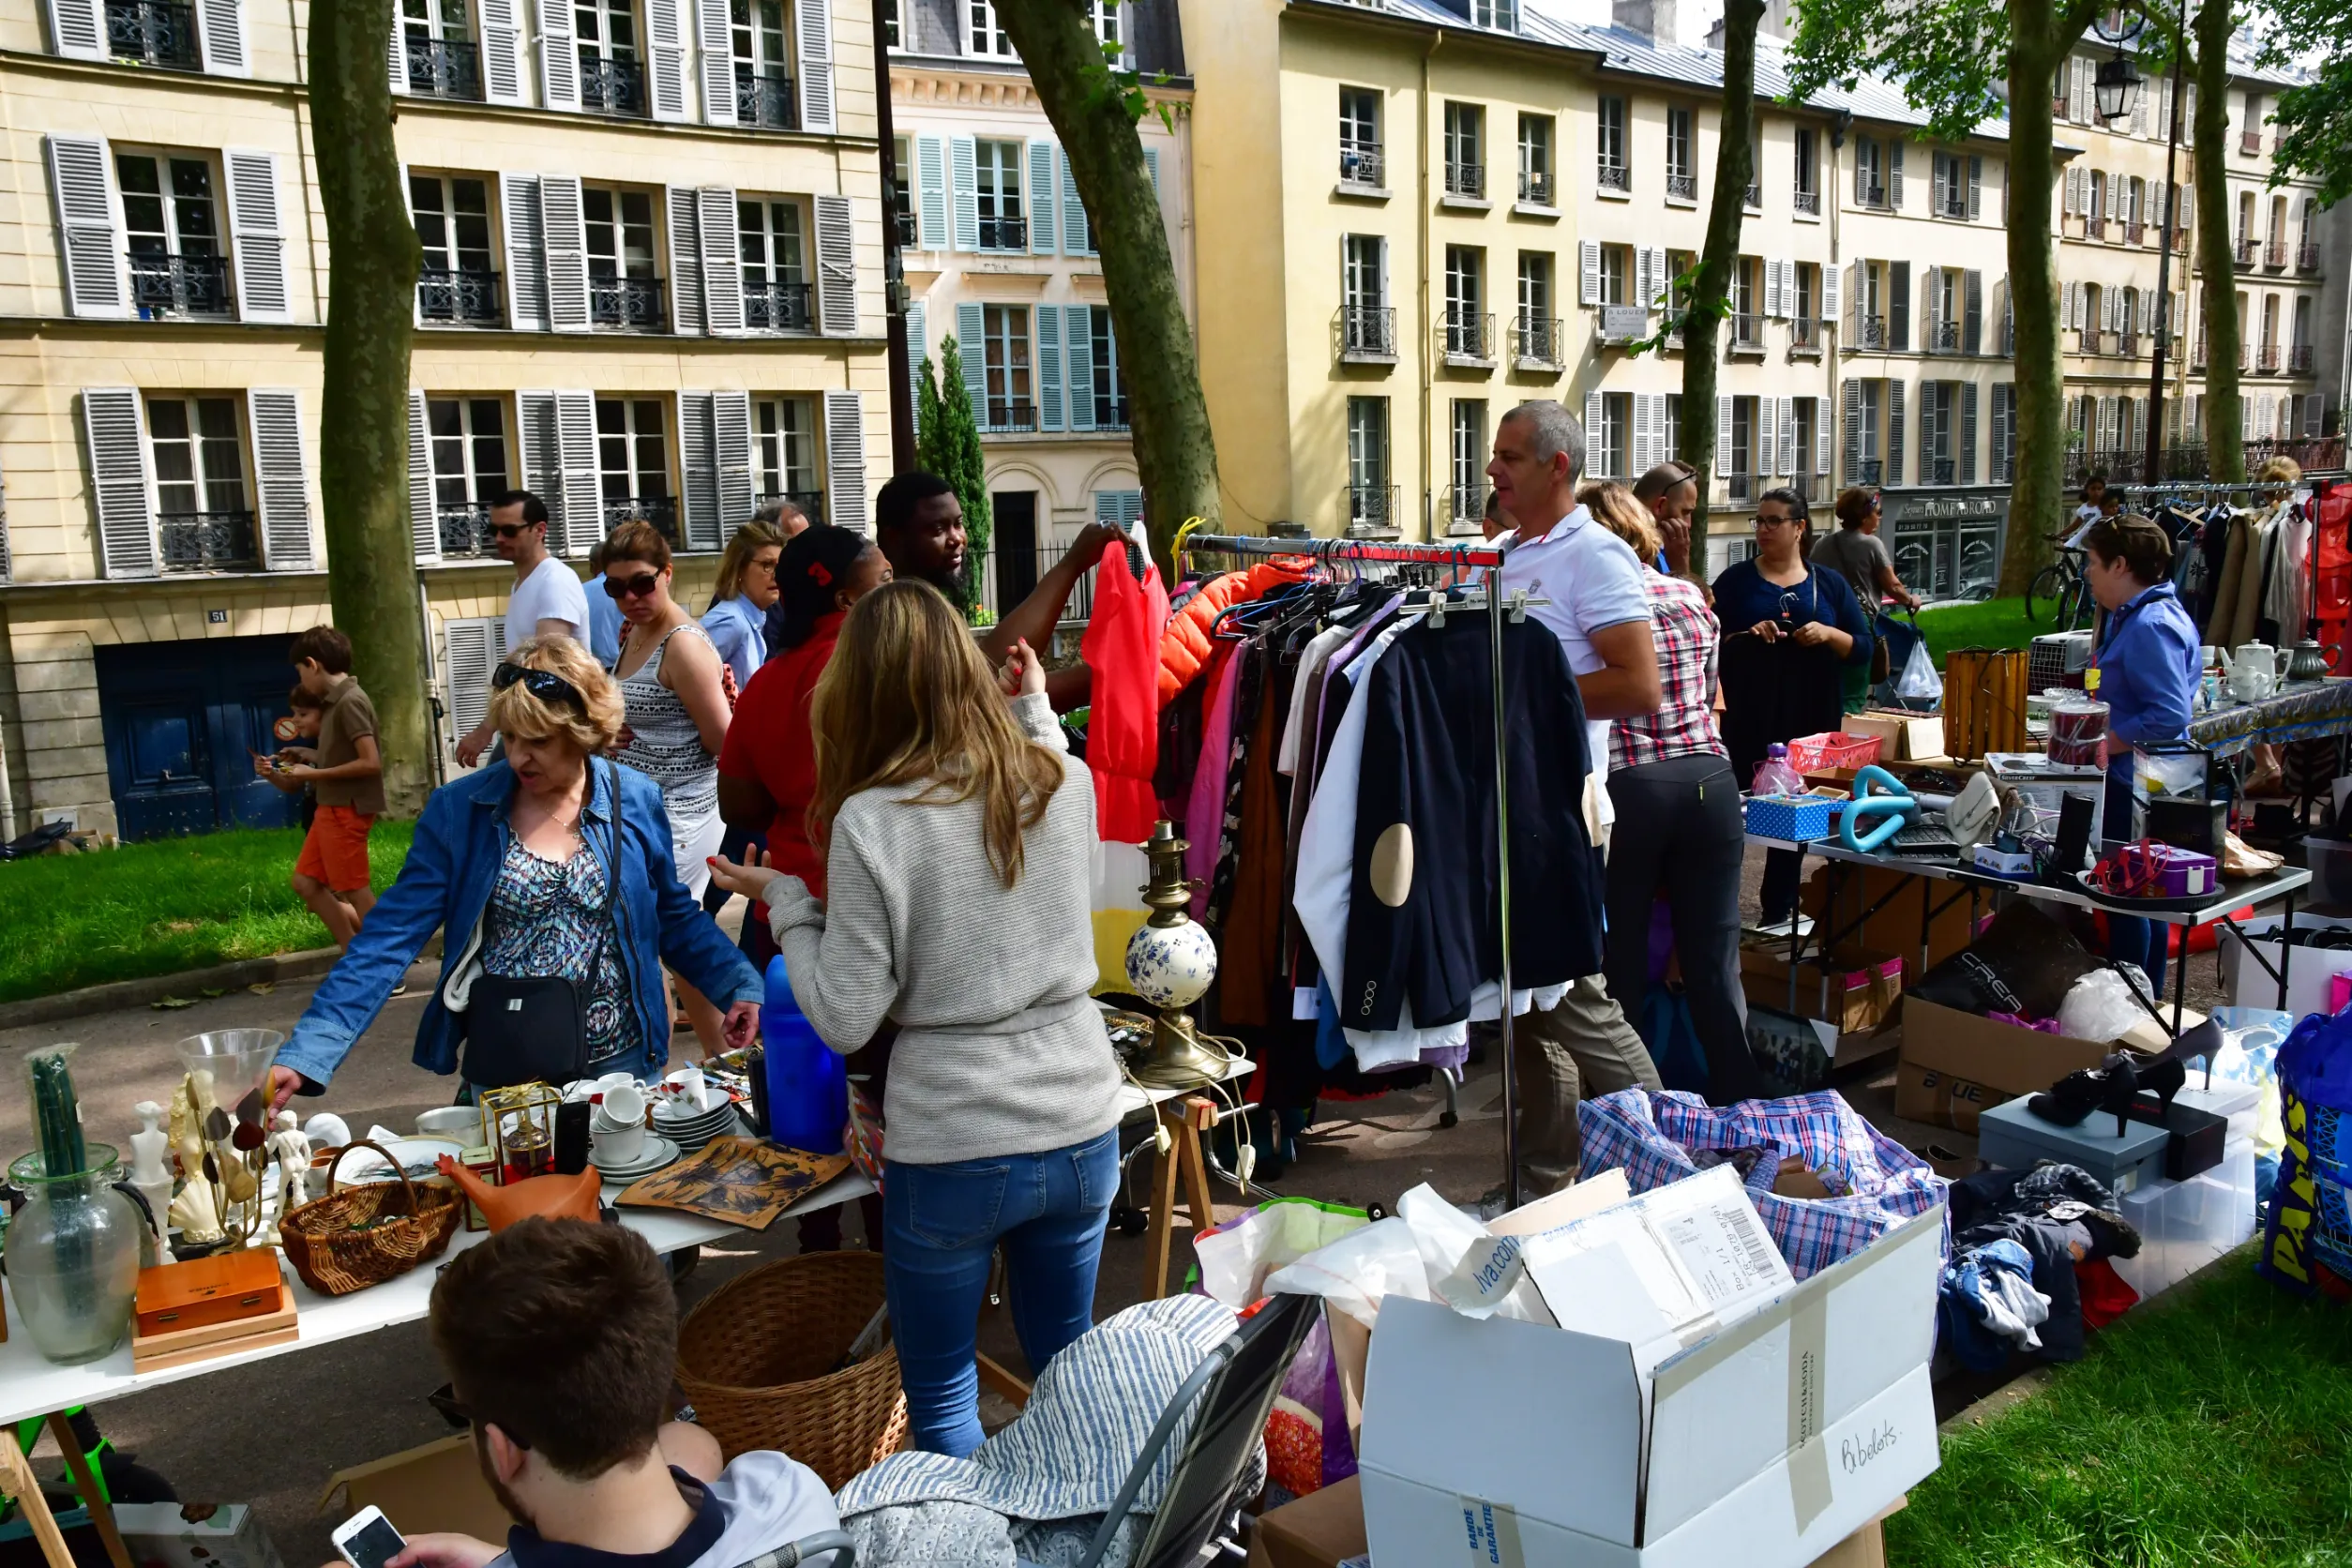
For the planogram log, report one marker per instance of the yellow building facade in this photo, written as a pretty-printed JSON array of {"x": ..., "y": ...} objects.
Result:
[{"x": 652, "y": 288}]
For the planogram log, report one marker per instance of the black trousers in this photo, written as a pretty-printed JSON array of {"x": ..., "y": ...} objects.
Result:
[{"x": 1680, "y": 830}]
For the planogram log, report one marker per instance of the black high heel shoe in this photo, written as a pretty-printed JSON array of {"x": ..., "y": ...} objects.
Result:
[
  {"x": 2163, "y": 1078},
  {"x": 2108, "y": 1088}
]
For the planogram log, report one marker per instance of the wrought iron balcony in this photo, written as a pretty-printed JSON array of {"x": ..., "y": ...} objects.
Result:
[
  {"x": 207, "y": 541},
  {"x": 1870, "y": 331},
  {"x": 765, "y": 98},
  {"x": 625, "y": 304},
  {"x": 1467, "y": 336},
  {"x": 2300, "y": 359},
  {"x": 1466, "y": 179},
  {"x": 1681, "y": 188},
  {"x": 2094, "y": 226},
  {"x": 611, "y": 86},
  {"x": 1955, "y": 203},
  {"x": 1465, "y": 507},
  {"x": 167, "y": 286},
  {"x": 2090, "y": 341},
  {"x": 1871, "y": 194},
  {"x": 1012, "y": 415},
  {"x": 153, "y": 32},
  {"x": 1110, "y": 414},
  {"x": 2134, "y": 231},
  {"x": 1808, "y": 202},
  {"x": 1372, "y": 509},
  {"x": 659, "y": 511},
  {"x": 465, "y": 530},
  {"x": 2266, "y": 361},
  {"x": 775, "y": 307},
  {"x": 1939, "y": 337},
  {"x": 1004, "y": 234},
  {"x": 1368, "y": 330},
  {"x": 2307, "y": 256},
  {"x": 1868, "y": 471},
  {"x": 1754, "y": 195},
  {"x": 445, "y": 69},
  {"x": 2245, "y": 246},
  {"x": 1740, "y": 486},
  {"x": 1535, "y": 186},
  {"x": 2274, "y": 255},
  {"x": 1747, "y": 331},
  {"x": 907, "y": 234},
  {"x": 1935, "y": 471},
  {"x": 1617, "y": 177},
  {"x": 462, "y": 295},
  {"x": 2127, "y": 344},
  {"x": 809, "y": 503},
  {"x": 1536, "y": 341},
  {"x": 1806, "y": 485},
  {"x": 2196, "y": 357},
  {"x": 2250, "y": 140},
  {"x": 1361, "y": 164}
]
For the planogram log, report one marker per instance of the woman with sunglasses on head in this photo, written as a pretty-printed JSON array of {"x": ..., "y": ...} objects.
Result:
[
  {"x": 551, "y": 863},
  {"x": 958, "y": 836},
  {"x": 1791, "y": 629}
]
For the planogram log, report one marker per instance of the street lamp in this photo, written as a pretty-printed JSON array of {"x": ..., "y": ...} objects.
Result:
[{"x": 2116, "y": 85}]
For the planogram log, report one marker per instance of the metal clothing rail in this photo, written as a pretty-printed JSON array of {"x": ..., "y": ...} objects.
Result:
[
  {"x": 2205, "y": 489},
  {"x": 1484, "y": 557}
]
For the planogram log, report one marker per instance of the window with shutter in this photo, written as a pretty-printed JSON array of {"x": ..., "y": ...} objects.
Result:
[
  {"x": 564, "y": 239},
  {"x": 836, "y": 267},
  {"x": 714, "y": 34},
  {"x": 931, "y": 207},
  {"x": 721, "y": 251},
  {"x": 971, "y": 343},
  {"x": 1894, "y": 175},
  {"x": 1828, "y": 296},
  {"x": 918, "y": 348},
  {"x": 424, "y": 525},
  {"x": 1972, "y": 323},
  {"x": 1967, "y": 432},
  {"x": 1976, "y": 188},
  {"x": 579, "y": 483},
  {"x": 686, "y": 308},
  {"x": 1894, "y": 433},
  {"x": 526, "y": 252},
  {"x": 81, "y": 179},
  {"x": 1049, "y": 368},
  {"x": 815, "y": 18},
  {"x": 274, "y": 415},
  {"x": 666, "y": 59},
  {"x": 254, "y": 236},
  {"x": 1767, "y": 437},
  {"x": 1589, "y": 271},
  {"x": 113, "y": 426},
  {"x": 1899, "y": 306},
  {"x": 1077, "y": 234},
  {"x": 698, "y": 470},
  {"x": 1596, "y": 453},
  {"x": 471, "y": 649},
  {"x": 1044, "y": 233},
  {"x": 559, "y": 58},
  {"x": 845, "y": 459},
  {"x": 964, "y": 174},
  {"x": 220, "y": 38},
  {"x": 77, "y": 29}
]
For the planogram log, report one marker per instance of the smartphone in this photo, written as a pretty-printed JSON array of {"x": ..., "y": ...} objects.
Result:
[{"x": 367, "y": 1540}]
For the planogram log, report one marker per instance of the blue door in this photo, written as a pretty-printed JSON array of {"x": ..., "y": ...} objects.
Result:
[{"x": 181, "y": 720}]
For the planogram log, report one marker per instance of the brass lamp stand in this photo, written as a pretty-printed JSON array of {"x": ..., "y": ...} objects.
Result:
[{"x": 1170, "y": 963}]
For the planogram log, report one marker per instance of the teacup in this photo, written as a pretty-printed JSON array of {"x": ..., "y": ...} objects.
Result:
[
  {"x": 688, "y": 1089},
  {"x": 624, "y": 1103},
  {"x": 619, "y": 1145}
]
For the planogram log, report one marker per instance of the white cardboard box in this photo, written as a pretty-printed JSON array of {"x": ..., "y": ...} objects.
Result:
[
  {"x": 154, "y": 1533},
  {"x": 1512, "y": 1446},
  {"x": 2252, "y": 986}
]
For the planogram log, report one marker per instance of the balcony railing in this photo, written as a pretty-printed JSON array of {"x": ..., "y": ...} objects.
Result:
[
  {"x": 1808, "y": 202},
  {"x": 1754, "y": 195},
  {"x": 465, "y": 530},
  {"x": 625, "y": 304},
  {"x": 1870, "y": 331},
  {"x": 1359, "y": 165},
  {"x": 1747, "y": 331},
  {"x": 775, "y": 307},
  {"x": 1368, "y": 330},
  {"x": 2191, "y": 461},
  {"x": 1615, "y": 176},
  {"x": 1004, "y": 234},
  {"x": 907, "y": 232},
  {"x": 444, "y": 68},
  {"x": 1466, "y": 336},
  {"x": 1869, "y": 469},
  {"x": 2127, "y": 344},
  {"x": 659, "y": 511},
  {"x": 611, "y": 86},
  {"x": 1536, "y": 341},
  {"x": 765, "y": 98},
  {"x": 154, "y": 32},
  {"x": 166, "y": 286},
  {"x": 1683, "y": 187},
  {"x": 1740, "y": 486},
  {"x": 2250, "y": 140},
  {"x": 2134, "y": 231},
  {"x": 1466, "y": 179},
  {"x": 2274, "y": 255},
  {"x": 459, "y": 295},
  {"x": 1935, "y": 471},
  {"x": 1807, "y": 487},
  {"x": 1871, "y": 195},
  {"x": 2299, "y": 359},
  {"x": 2094, "y": 226},
  {"x": 810, "y": 503},
  {"x": 2196, "y": 355},
  {"x": 1110, "y": 414},
  {"x": 1939, "y": 337},
  {"x": 1955, "y": 204},
  {"x": 2181, "y": 240},
  {"x": 1535, "y": 186},
  {"x": 1465, "y": 508},
  {"x": 207, "y": 541},
  {"x": 1012, "y": 415},
  {"x": 1371, "y": 509},
  {"x": 2267, "y": 360},
  {"x": 1804, "y": 333},
  {"x": 2090, "y": 341},
  {"x": 2244, "y": 247}
]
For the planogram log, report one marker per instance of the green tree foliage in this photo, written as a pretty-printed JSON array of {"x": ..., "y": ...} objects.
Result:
[
  {"x": 2314, "y": 120},
  {"x": 947, "y": 443}
]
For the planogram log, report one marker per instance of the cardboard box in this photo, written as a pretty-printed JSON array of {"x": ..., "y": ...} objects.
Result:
[
  {"x": 1897, "y": 902},
  {"x": 1855, "y": 990},
  {"x": 1321, "y": 1529},
  {"x": 159, "y": 1535},
  {"x": 1804, "y": 1052},
  {"x": 1955, "y": 1064},
  {"x": 1530, "y": 1441},
  {"x": 1902, "y": 737},
  {"x": 438, "y": 1486}
]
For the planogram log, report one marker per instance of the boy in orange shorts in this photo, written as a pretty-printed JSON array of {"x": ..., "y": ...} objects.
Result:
[{"x": 332, "y": 874}]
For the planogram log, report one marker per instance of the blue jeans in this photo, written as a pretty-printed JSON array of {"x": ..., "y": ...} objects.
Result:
[{"x": 943, "y": 1222}]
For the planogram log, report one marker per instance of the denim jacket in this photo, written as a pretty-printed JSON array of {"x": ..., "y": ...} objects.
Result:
[{"x": 445, "y": 885}]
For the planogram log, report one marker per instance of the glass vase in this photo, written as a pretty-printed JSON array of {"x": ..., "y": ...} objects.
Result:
[{"x": 73, "y": 1257}]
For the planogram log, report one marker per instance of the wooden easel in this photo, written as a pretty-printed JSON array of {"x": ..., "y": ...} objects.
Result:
[
  {"x": 17, "y": 1480},
  {"x": 1186, "y": 1120}
]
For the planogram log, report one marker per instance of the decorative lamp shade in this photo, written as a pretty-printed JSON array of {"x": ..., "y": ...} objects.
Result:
[
  {"x": 2115, "y": 85},
  {"x": 1171, "y": 966}
]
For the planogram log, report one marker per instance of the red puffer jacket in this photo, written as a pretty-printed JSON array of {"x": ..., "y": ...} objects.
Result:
[{"x": 1185, "y": 647}]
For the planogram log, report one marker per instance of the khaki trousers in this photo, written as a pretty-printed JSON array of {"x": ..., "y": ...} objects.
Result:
[{"x": 1582, "y": 1046}]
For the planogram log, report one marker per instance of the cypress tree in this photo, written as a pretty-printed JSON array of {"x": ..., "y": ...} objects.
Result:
[{"x": 947, "y": 442}]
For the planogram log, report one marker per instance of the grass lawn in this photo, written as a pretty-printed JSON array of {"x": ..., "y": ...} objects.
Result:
[
  {"x": 2211, "y": 1429},
  {"x": 1992, "y": 624},
  {"x": 67, "y": 920}
]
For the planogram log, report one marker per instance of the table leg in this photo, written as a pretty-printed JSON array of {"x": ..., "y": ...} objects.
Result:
[
  {"x": 101, "y": 1508},
  {"x": 1164, "y": 1168},
  {"x": 2286, "y": 949},
  {"x": 1200, "y": 1116},
  {"x": 1001, "y": 1382},
  {"x": 17, "y": 1479},
  {"x": 2180, "y": 973}
]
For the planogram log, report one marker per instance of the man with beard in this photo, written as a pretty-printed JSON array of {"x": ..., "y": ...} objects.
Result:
[{"x": 561, "y": 1338}]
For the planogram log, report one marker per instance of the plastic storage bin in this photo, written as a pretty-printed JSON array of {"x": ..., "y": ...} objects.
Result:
[
  {"x": 2183, "y": 1226},
  {"x": 1833, "y": 748}
]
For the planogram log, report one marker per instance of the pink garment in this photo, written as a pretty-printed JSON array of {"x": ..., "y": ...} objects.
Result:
[
  {"x": 2044, "y": 1026},
  {"x": 1204, "y": 809}
]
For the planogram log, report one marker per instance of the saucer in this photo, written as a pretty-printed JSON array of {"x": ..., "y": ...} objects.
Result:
[{"x": 660, "y": 1153}]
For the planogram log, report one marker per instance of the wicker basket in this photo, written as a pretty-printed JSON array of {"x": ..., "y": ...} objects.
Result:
[
  {"x": 404, "y": 1226},
  {"x": 755, "y": 1360}
]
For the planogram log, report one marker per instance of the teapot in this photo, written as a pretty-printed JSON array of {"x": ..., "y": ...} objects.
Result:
[
  {"x": 2310, "y": 661},
  {"x": 2254, "y": 671},
  {"x": 574, "y": 1196}
]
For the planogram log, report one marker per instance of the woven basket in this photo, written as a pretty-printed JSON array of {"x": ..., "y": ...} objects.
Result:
[
  {"x": 410, "y": 1225},
  {"x": 755, "y": 1360}
]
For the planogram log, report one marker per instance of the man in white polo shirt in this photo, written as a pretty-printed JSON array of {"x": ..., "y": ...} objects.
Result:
[
  {"x": 547, "y": 601},
  {"x": 1598, "y": 608}
]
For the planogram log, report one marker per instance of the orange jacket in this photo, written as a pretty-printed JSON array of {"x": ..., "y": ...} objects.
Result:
[{"x": 1185, "y": 646}]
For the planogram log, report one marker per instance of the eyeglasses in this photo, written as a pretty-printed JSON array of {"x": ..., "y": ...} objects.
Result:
[
  {"x": 545, "y": 685},
  {"x": 632, "y": 587},
  {"x": 445, "y": 1402},
  {"x": 1762, "y": 521},
  {"x": 512, "y": 530}
]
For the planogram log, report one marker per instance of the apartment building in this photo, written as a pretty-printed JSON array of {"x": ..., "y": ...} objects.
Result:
[
  {"x": 2111, "y": 215},
  {"x": 999, "y": 254},
  {"x": 652, "y": 288}
]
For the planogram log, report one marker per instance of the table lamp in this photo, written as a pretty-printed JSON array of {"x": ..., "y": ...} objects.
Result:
[{"x": 1170, "y": 963}]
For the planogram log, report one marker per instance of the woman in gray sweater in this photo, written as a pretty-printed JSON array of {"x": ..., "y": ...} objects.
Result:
[{"x": 958, "y": 836}]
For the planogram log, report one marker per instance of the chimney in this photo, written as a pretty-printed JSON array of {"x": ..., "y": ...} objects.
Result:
[{"x": 1652, "y": 19}]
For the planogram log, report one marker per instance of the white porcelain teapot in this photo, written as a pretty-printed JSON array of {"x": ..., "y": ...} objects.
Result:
[{"x": 2254, "y": 671}]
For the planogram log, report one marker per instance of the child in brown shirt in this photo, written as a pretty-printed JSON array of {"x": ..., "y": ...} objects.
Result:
[{"x": 332, "y": 875}]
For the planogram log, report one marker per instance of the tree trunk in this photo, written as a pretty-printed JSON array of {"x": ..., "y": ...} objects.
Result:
[
  {"x": 2222, "y": 332},
  {"x": 1696, "y": 437},
  {"x": 363, "y": 416},
  {"x": 1175, "y": 452}
]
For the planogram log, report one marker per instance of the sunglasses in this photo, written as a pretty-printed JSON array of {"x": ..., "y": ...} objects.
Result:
[
  {"x": 451, "y": 1410},
  {"x": 632, "y": 587},
  {"x": 545, "y": 685},
  {"x": 513, "y": 529}
]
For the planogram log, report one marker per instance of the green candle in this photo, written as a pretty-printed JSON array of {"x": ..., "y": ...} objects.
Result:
[{"x": 57, "y": 1116}]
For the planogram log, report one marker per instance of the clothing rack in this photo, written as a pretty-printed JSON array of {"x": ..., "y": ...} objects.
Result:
[
  {"x": 1465, "y": 557},
  {"x": 2211, "y": 490}
]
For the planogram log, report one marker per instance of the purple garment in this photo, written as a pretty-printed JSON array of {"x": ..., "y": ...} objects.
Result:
[
  {"x": 1443, "y": 1057},
  {"x": 2046, "y": 1026},
  {"x": 1204, "y": 808}
]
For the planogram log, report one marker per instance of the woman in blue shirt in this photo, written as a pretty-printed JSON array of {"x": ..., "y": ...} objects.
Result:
[
  {"x": 2148, "y": 665},
  {"x": 737, "y": 620}
]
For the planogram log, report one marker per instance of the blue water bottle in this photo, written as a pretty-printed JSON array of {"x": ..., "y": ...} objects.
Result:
[{"x": 808, "y": 1084}]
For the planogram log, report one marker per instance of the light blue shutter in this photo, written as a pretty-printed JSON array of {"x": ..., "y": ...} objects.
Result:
[
  {"x": 917, "y": 315},
  {"x": 1049, "y": 367},
  {"x": 930, "y": 181},
  {"x": 971, "y": 328},
  {"x": 1120, "y": 509},
  {"x": 1151, "y": 163},
  {"x": 1077, "y": 238},
  {"x": 1041, "y": 229},
  {"x": 1080, "y": 339},
  {"x": 963, "y": 158}
]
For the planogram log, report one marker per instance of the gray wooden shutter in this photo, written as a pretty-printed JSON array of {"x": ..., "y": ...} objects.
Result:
[
  {"x": 82, "y": 179},
  {"x": 1894, "y": 433},
  {"x": 836, "y": 266},
  {"x": 1854, "y": 294},
  {"x": 731, "y": 436},
  {"x": 283, "y": 511},
  {"x": 470, "y": 648},
  {"x": 1931, "y": 306},
  {"x": 717, "y": 39},
  {"x": 1723, "y": 436},
  {"x": 502, "y": 50},
  {"x": 559, "y": 58},
  {"x": 576, "y": 450},
  {"x": 1853, "y": 431},
  {"x": 1976, "y": 188},
  {"x": 963, "y": 158},
  {"x": 1079, "y": 343},
  {"x": 1597, "y": 457},
  {"x": 721, "y": 259},
  {"x": 1589, "y": 272},
  {"x": 1940, "y": 177},
  {"x": 815, "y": 18},
  {"x": 424, "y": 523},
  {"x": 1043, "y": 234},
  {"x": 971, "y": 326},
  {"x": 1828, "y": 296},
  {"x": 564, "y": 237},
  {"x": 1899, "y": 306},
  {"x": 698, "y": 470},
  {"x": 1049, "y": 367},
  {"x": 541, "y": 450},
  {"x": 666, "y": 64},
  {"x": 1077, "y": 234},
  {"x": 255, "y": 239},
  {"x": 526, "y": 252},
  {"x": 918, "y": 348},
  {"x": 395, "y": 55},
  {"x": 1791, "y": 460},
  {"x": 1999, "y": 470},
  {"x": 685, "y": 260},
  {"x": 1895, "y": 173},
  {"x": 930, "y": 186},
  {"x": 1821, "y": 435},
  {"x": 77, "y": 29},
  {"x": 1763, "y": 438},
  {"x": 1967, "y": 432},
  {"x": 1972, "y": 325},
  {"x": 220, "y": 38},
  {"x": 845, "y": 459},
  {"x": 115, "y": 426}
]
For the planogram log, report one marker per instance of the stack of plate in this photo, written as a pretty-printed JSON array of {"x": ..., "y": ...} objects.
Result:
[
  {"x": 689, "y": 1128},
  {"x": 657, "y": 1153}
]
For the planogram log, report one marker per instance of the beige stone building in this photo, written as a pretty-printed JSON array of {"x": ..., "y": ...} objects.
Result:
[{"x": 652, "y": 288}]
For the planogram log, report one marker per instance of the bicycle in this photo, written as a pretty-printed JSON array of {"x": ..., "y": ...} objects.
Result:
[{"x": 2060, "y": 585}]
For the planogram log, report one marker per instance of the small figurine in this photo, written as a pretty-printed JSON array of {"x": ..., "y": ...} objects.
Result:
[
  {"x": 150, "y": 1147},
  {"x": 291, "y": 1147},
  {"x": 193, "y": 1212}
]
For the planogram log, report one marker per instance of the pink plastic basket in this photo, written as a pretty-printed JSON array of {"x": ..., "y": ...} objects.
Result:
[{"x": 1833, "y": 749}]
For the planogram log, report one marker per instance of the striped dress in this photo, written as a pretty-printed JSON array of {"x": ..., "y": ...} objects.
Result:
[{"x": 666, "y": 746}]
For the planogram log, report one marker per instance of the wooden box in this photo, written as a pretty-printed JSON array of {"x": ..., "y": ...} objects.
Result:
[{"x": 203, "y": 1291}]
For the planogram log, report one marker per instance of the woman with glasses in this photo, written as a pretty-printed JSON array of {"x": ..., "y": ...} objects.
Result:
[
  {"x": 552, "y": 863},
  {"x": 1791, "y": 629},
  {"x": 737, "y": 620}
]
